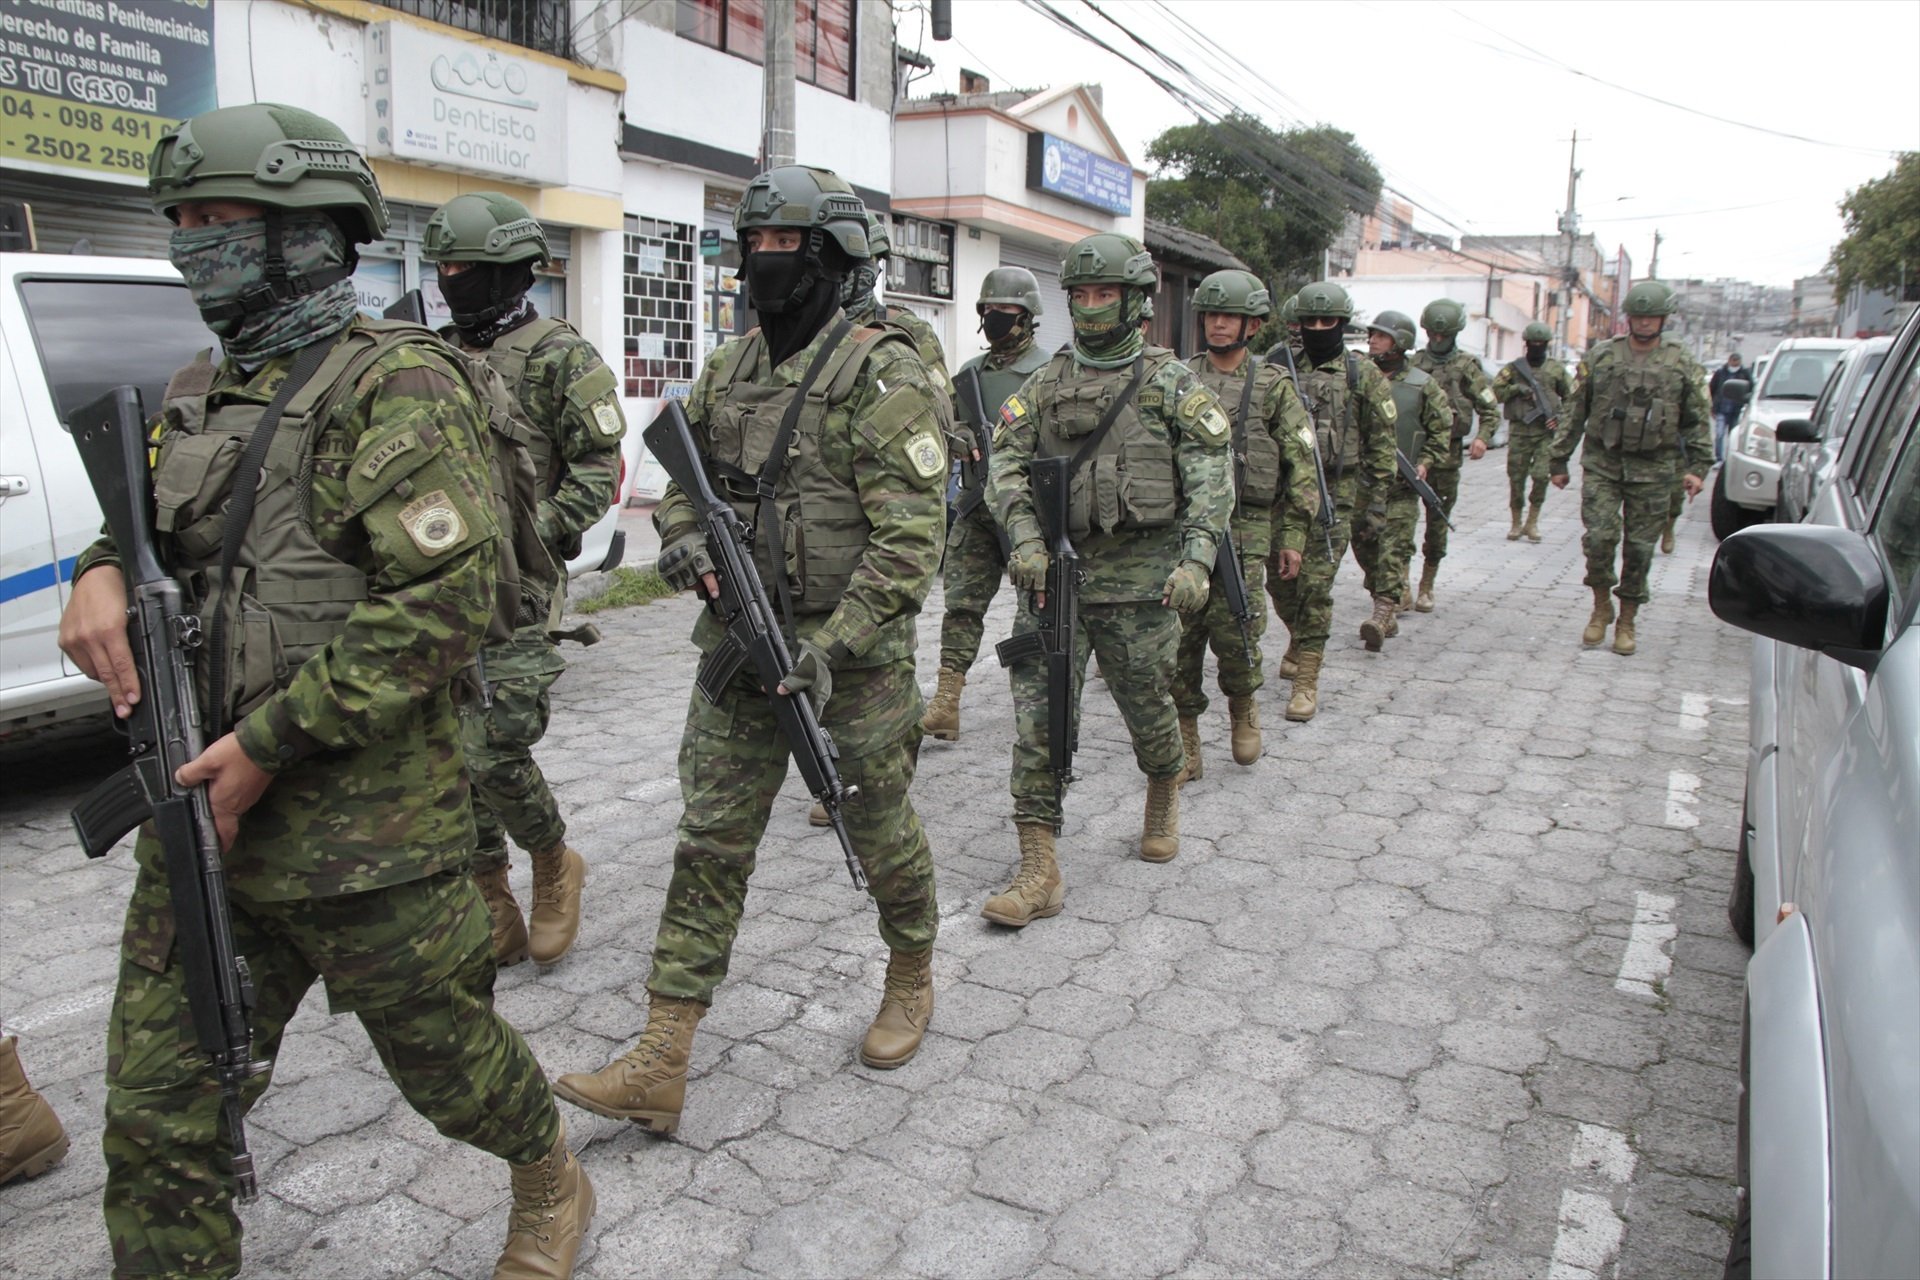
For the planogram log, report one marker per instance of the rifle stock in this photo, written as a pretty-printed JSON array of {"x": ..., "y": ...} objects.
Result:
[
  {"x": 752, "y": 625},
  {"x": 410, "y": 306},
  {"x": 165, "y": 730}
]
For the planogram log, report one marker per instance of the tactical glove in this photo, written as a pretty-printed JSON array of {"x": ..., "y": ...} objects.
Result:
[
  {"x": 683, "y": 562},
  {"x": 1187, "y": 586},
  {"x": 1027, "y": 566},
  {"x": 813, "y": 670}
]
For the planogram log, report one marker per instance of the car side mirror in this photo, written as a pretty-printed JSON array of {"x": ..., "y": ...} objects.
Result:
[
  {"x": 1795, "y": 431},
  {"x": 1811, "y": 586}
]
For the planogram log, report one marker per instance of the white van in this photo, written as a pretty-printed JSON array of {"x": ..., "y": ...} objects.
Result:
[{"x": 72, "y": 328}]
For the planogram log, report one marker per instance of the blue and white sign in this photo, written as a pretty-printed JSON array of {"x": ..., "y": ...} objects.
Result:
[{"x": 1060, "y": 168}]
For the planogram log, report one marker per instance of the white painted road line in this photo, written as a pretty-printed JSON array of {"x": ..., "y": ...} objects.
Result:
[
  {"x": 1647, "y": 960},
  {"x": 1683, "y": 792},
  {"x": 1693, "y": 712},
  {"x": 1591, "y": 1229}
]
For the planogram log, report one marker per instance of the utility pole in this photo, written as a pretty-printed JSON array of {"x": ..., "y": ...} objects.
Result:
[
  {"x": 1653, "y": 264},
  {"x": 1569, "y": 224},
  {"x": 776, "y": 111}
]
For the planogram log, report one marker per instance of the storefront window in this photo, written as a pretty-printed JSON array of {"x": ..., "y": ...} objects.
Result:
[
  {"x": 822, "y": 36},
  {"x": 660, "y": 339}
]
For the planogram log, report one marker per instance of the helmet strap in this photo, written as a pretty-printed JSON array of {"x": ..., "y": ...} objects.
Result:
[{"x": 1228, "y": 348}]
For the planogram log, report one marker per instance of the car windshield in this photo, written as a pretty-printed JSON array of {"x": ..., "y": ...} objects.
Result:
[
  {"x": 1799, "y": 375},
  {"x": 95, "y": 334}
]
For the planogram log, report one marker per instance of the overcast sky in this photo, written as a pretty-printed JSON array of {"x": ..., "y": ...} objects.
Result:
[{"x": 1475, "y": 127}]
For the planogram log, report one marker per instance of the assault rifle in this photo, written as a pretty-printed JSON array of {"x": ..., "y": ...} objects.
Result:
[
  {"x": 1421, "y": 489},
  {"x": 164, "y": 731},
  {"x": 410, "y": 306},
  {"x": 1230, "y": 580},
  {"x": 1544, "y": 409},
  {"x": 973, "y": 475},
  {"x": 1325, "y": 515},
  {"x": 752, "y": 626},
  {"x": 1055, "y": 637}
]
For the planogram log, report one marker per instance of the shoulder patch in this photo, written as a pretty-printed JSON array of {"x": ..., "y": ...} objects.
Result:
[
  {"x": 607, "y": 422},
  {"x": 1214, "y": 421},
  {"x": 433, "y": 523},
  {"x": 405, "y": 442},
  {"x": 1012, "y": 410},
  {"x": 1486, "y": 396},
  {"x": 1389, "y": 414},
  {"x": 926, "y": 455}
]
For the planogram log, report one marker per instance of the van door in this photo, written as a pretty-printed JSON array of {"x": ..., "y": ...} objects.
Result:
[{"x": 30, "y": 594}]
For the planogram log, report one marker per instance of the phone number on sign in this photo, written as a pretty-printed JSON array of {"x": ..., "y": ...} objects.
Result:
[{"x": 36, "y": 127}]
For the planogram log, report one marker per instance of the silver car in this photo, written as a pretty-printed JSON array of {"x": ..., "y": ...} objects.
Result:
[
  {"x": 1744, "y": 491},
  {"x": 1827, "y": 886},
  {"x": 1805, "y": 464}
]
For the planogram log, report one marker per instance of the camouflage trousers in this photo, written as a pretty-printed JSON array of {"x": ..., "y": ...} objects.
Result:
[
  {"x": 974, "y": 569},
  {"x": 733, "y": 760},
  {"x": 1384, "y": 556},
  {"x": 413, "y": 962},
  {"x": 1214, "y": 626},
  {"x": 1528, "y": 452},
  {"x": 1446, "y": 483},
  {"x": 1137, "y": 644},
  {"x": 510, "y": 794},
  {"x": 1624, "y": 501},
  {"x": 1677, "y": 498},
  {"x": 1304, "y": 604}
]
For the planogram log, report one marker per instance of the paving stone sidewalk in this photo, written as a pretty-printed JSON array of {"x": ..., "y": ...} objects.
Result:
[{"x": 1442, "y": 986}]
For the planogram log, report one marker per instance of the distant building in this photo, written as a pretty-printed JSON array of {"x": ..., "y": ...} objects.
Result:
[
  {"x": 1868, "y": 313},
  {"x": 1814, "y": 313}
]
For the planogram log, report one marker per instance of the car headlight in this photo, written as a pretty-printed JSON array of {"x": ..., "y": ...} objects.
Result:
[{"x": 1760, "y": 442}]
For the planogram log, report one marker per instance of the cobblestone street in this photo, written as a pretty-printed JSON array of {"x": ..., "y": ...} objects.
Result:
[{"x": 1442, "y": 986}]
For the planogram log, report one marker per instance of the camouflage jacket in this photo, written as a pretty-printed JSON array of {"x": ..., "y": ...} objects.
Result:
[
  {"x": 1511, "y": 390},
  {"x": 1276, "y": 412},
  {"x": 1365, "y": 457},
  {"x": 1638, "y": 404},
  {"x": 362, "y": 738},
  {"x": 1468, "y": 390},
  {"x": 1128, "y": 565},
  {"x": 883, "y": 441}
]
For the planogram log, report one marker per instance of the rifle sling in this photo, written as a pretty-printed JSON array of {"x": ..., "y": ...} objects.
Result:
[
  {"x": 1107, "y": 419},
  {"x": 1525, "y": 371},
  {"x": 246, "y": 488},
  {"x": 1240, "y": 435},
  {"x": 765, "y": 518}
]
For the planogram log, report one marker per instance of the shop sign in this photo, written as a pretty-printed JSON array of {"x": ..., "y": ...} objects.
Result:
[
  {"x": 1060, "y": 168},
  {"x": 454, "y": 104},
  {"x": 710, "y": 242},
  {"x": 90, "y": 85}
]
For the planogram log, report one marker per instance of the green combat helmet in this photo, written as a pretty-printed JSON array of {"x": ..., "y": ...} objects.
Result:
[
  {"x": 484, "y": 226},
  {"x": 1323, "y": 299},
  {"x": 879, "y": 243},
  {"x": 1290, "y": 311},
  {"x": 1443, "y": 316},
  {"x": 819, "y": 202},
  {"x": 267, "y": 154},
  {"x": 1233, "y": 293},
  {"x": 1536, "y": 332},
  {"x": 1010, "y": 286},
  {"x": 1397, "y": 325},
  {"x": 1652, "y": 298},
  {"x": 1107, "y": 257}
]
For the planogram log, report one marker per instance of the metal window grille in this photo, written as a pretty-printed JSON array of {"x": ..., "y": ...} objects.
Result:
[
  {"x": 531, "y": 24},
  {"x": 661, "y": 345}
]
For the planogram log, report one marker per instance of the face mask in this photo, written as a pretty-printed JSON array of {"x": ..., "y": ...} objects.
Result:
[
  {"x": 225, "y": 267},
  {"x": 856, "y": 291},
  {"x": 777, "y": 281},
  {"x": 1321, "y": 345},
  {"x": 1000, "y": 326},
  {"x": 1440, "y": 344},
  {"x": 1391, "y": 361},
  {"x": 1536, "y": 353}
]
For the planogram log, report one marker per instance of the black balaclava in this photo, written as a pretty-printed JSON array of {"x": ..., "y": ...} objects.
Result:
[
  {"x": 489, "y": 299},
  {"x": 1441, "y": 344},
  {"x": 1392, "y": 361},
  {"x": 1536, "y": 354},
  {"x": 1322, "y": 345},
  {"x": 795, "y": 292},
  {"x": 1006, "y": 330},
  {"x": 1221, "y": 349}
]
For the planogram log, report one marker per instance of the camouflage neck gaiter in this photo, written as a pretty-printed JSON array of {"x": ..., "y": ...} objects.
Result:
[
  {"x": 1108, "y": 337},
  {"x": 224, "y": 263}
]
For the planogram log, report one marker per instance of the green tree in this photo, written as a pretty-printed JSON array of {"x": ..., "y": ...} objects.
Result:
[
  {"x": 1881, "y": 249},
  {"x": 1276, "y": 200}
]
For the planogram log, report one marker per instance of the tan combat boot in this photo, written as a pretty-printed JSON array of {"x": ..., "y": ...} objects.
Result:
[
  {"x": 1194, "y": 768},
  {"x": 552, "y": 1209},
  {"x": 1666, "y": 539},
  {"x": 1037, "y": 891},
  {"x": 1597, "y": 622},
  {"x": 1306, "y": 689},
  {"x": 1245, "y": 714},
  {"x": 509, "y": 930},
  {"x": 1513, "y": 534},
  {"x": 1290, "y": 662},
  {"x": 906, "y": 1006},
  {"x": 942, "y": 719},
  {"x": 1623, "y": 643},
  {"x": 558, "y": 878},
  {"x": 1406, "y": 592},
  {"x": 1160, "y": 832},
  {"x": 817, "y": 816},
  {"x": 1429, "y": 570},
  {"x": 31, "y": 1139},
  {"x": 1532, "y": 529},
  {"x": 647, "y": 1084},
  {"x": 1375, "y": 630}
]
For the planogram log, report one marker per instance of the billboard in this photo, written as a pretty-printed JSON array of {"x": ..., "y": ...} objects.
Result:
[{"x": 1060, "y": 168}]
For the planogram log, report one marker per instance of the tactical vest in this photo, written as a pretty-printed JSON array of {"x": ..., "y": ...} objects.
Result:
[
  {"x": 1333, "y": 399},
  {"x": 1408, "y": 401},
  {"x": 1256, "y": 454},
  {"x": 997, "y": 384},
  {"x": 510, "y": 355},
  {"x": 823, "y": 526},
  {"x": 288, "y": 596},
  {"x": 1451, "y": 374},
  {"x": 1129, "y": 482},
  {"x": 1636, "y": 399}
]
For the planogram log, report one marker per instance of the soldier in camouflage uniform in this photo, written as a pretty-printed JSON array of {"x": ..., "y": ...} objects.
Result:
[
  {"x": 1423, "y": 427},
  {"x": 1163, "y": 456},
  {"x": 865, "y": 494},
  {"x": 1530, "y": 426},
  {"x": 1286, "y": 352},
  {"x": 1471, "y": 396},
  {"x": 1353, "y": 417},
  {"x": 1272, "y": 471},
  {"x": 976, "y": 563},
  {"x": 334, "y": 774},
  {"x": 485, "y": 246},
  {"x": 1637, "y": 400}
]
